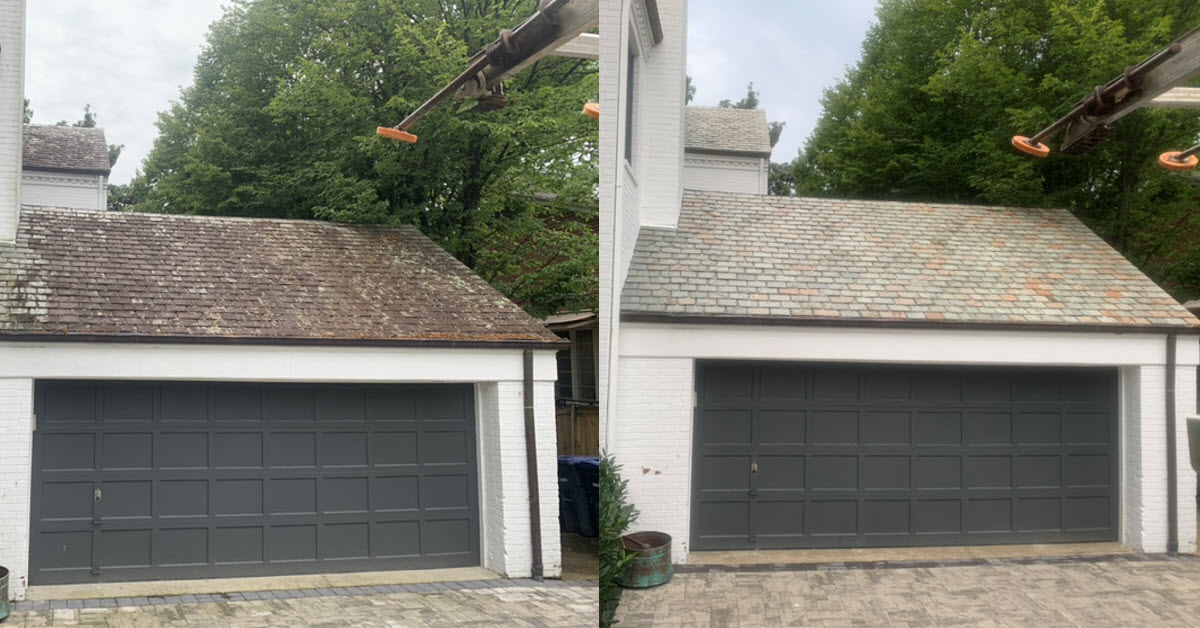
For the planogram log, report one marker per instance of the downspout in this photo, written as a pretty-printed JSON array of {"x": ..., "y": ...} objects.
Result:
[
  {"x": 1172, "y": 471},
  {"x": 531, "y": 466}
]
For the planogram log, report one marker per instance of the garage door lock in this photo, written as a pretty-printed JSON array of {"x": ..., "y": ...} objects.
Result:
[{"x": 97, "y": 495}]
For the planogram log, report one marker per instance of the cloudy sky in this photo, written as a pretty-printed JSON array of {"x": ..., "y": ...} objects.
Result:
[
  {"x": 791, "y": 49},
  {"x": 129, "y": 59}
]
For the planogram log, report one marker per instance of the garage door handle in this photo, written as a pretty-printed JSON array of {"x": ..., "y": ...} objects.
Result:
[
  {"x": 97, "y": 495},
  {"x": 753, "y": 468}
]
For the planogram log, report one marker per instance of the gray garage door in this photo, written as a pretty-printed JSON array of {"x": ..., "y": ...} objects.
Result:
[
  {"x": 180, "y": 480},
  {"x": 803, "y": 456}
]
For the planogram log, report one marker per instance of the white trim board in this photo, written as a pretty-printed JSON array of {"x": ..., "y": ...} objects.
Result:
[
  {"x": 268, "y": 363},
  {"x": 909, "y": 346}
]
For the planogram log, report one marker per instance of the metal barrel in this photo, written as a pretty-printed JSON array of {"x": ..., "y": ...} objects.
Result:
[
  {"x": 651, "y": 564},
  {"x": 3, "y": 594}
]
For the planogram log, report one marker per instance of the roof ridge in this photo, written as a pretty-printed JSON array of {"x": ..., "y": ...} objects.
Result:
[{"x": 214, "y": 218}]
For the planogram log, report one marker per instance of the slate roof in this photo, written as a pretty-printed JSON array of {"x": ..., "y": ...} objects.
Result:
[
  {"x": 65, "y": 149},
  {"x": 117, "y": 274},
  {"x": 724, "y": 129},
  {"x": 749, "y": 256}
]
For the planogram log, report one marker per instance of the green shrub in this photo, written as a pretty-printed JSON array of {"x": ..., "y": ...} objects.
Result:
[{"x": 616, "y": 515}]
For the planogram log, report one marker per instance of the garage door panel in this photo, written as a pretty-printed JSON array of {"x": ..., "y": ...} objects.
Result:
[
  {"x": 178, "y": 547},
  {"x": 127, "y": 403},
  {"x": 934, "y": 428},
  {"x": 988, "y": 515},
  {"x": 237, "y": 450},
  {"x": 1038, "y": 514},
  {"x": 238, "y": 545},
  {"x": 124, "y": 548},
  {"x": 781, "y": 427},
  {"x": 825, "y": 473},
  {"x": 886, "y": 517},
  {"x": 394, "y": 449},
  {"x": 281, "y": 479},
  {"x": 396, "y": 539},
  {"x": 905, "y": 455},
  {"x": 127, "y": 500},
  {"x": 69, "y": 452},
  {"x": 885, "y": 473},
  {"x": 833, "y": 427}
]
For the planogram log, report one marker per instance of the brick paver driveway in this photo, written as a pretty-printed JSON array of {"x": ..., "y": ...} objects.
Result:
[
  {"x": 1134, "y": 590},
  {"x": 524, "y": 604}
]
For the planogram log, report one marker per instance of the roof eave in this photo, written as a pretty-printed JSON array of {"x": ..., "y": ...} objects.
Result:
[
  {"x": 876, "y": 323},
  {"x": 88, "y": 171},
  {"x": 735, "y": 153},
  {"x": 427, "y": 343}
]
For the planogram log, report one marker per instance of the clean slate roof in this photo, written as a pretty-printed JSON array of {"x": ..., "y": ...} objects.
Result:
[
  {"x": 65, "y": 148},
  {"x": 724, "y": 129},
  {"x": 747, "y": 256},
  {"x": 117, "y": 274}
]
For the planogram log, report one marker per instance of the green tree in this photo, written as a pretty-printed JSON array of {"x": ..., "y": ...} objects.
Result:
[
  {"x": 942, "y": 85},
  {"x": 28, "y": 112},
  {"x": 280, "y": 121}
]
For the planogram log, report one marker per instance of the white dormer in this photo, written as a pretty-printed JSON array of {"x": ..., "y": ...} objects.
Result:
[
  {"x": 65, "y": 166},
  {"x": 726, "y": 150}
]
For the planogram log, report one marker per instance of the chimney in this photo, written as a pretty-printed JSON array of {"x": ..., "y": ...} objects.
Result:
[
  {"x": 661, "y": 108},
  {"x": 12, "y": 114}
]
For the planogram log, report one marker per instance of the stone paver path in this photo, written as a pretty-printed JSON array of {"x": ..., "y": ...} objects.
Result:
[
  {"x": 1118, "y": 591},
  {"x": 519, "y": 604}
]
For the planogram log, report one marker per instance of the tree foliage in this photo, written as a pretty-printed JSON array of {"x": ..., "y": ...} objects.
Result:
[
  {"x": 280, "y": 122},
  {"x": 942, "y": 85}
]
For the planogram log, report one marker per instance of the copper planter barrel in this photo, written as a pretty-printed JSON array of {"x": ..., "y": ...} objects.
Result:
[{"x": 651, "y": 564}]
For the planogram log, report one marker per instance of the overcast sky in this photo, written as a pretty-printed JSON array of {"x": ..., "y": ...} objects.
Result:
[
  {"x": 791, "y": 49},
  {"x": 127, "y": 58}
]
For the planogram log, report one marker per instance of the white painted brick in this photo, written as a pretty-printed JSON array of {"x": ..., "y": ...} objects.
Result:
[
  {"x": 654, "y": 443},
  {"x": 505, "y": 517},
  {"x": 16, "y": 452},
  {"x": 12, "y": 111}
]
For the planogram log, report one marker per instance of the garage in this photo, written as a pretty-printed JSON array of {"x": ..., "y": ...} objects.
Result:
[
  {"x": 159, "y": 480},
  {"x": 810, "y": 455}
]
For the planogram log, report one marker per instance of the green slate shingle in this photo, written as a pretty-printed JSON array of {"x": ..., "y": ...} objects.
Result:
[{"x": 744, "y": 255}]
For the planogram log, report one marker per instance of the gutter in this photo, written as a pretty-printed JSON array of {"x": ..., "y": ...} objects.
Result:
[
  {"x": 1172, "y": 455},
  {"x": 531, "y": 470}
]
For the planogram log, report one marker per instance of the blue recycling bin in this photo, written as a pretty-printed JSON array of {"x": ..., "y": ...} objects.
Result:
[{"x": 578, "y": 495}]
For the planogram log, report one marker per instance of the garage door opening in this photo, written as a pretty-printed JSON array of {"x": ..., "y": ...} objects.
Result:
[
  {"x": 796, "y": 456},
  {"x": 149, "y": 481}
]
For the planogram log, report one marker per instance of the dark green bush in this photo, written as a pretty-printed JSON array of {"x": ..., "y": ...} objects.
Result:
[{"x": 616, "y": 515}]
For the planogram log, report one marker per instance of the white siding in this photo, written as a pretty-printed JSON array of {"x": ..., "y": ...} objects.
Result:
[
  {"x": 725, "y": 173},
  {"x": 653, "y": 431},
  {"x": 12, "y": 114},
  {"x": 72, "y": 191}
]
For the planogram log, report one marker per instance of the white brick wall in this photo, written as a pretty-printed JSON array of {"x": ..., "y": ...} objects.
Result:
[
  {"x": 654, "y": 443},
  {"x": 505, "y": 518},
  {"x": 16, "y": 451},
  {"x": 12, "y": 111}
]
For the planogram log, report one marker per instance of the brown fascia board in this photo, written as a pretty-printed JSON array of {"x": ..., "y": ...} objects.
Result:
[
  {"x": 655, "y": 21},
  {"x": 870, "y": 323},
  {"x": 429, "y": 343}
]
